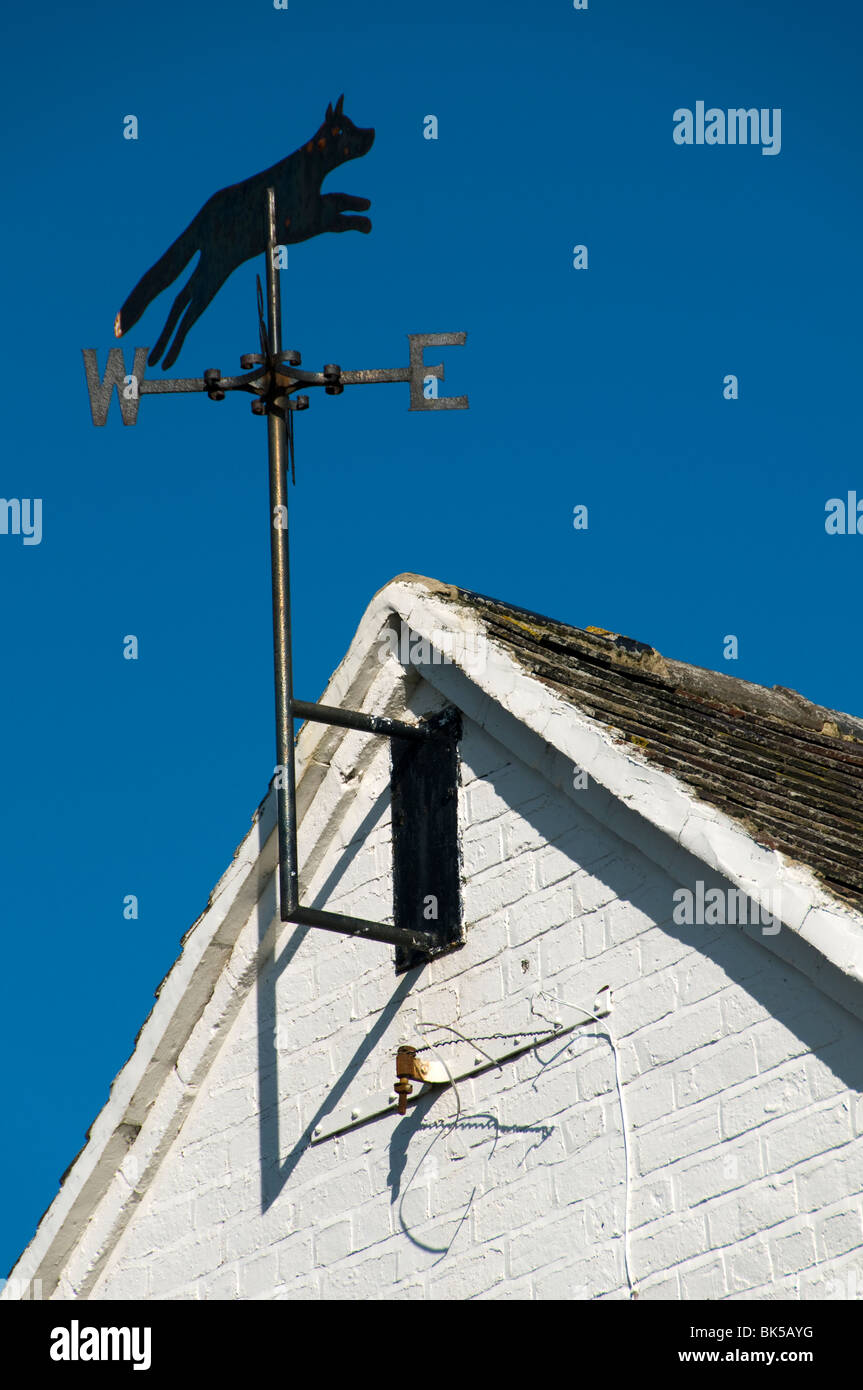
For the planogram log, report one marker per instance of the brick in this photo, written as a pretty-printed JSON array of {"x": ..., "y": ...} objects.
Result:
[
  {"x": 232, "y": 1106},
  {"x": 704, "y": 1279},
  {"x": 793, "y": 1252},
  {"x": 537, "y": 821},
  {"x": 162, "y": 1227},
  {"x": 518, "y": 1291},
  {"x": 775, "y": 1043},
  {"x": 338, "y": 971},
  {"x": 838, "y": 1281},
  {"x": 740, "y": 1010},
  {"x": 840, "y": 1233},
  {"x": 487, "y": 800},
  {"x": 732, "y": 1167},
  {"x": 258, "y": 1277},
  {"x": 688, "y": 1031},
  {"x": 220, "y": 1204},
  {"x": 645, "y": 1002},
  {"x": 471, "y": 1277},
  {"x": 699, "y": 978},
  {"x": 549, "y": 908},
  {"x": 560, "y": 950},
  {"x": 660, "y": 950},
  {"x": 129, "y": 1282},
  {"x": 296, "y": 1257},
  {"x": 679, "y": 1138},
  {"x": 482, "y": 847},
  {"x": 603, "y": 1217},
  {"x": 667, "y": 1243},
  {"x": 770, "y": 1097},
  {"x": 648, "y": 1098},
  {"x": 314, "y": 1205},
  {"x": 561, "y": 1236},
  {"x": 830, "y": 1179},
  {"x": 748, "y": 1265},
  {"x": 309, "y": 1068},
  {"x": 751, "y": 1210},
  {"x": 362, "y": 1280},
  {"x": 586, "y": 1122},
  {"x": 412, "y": 1292},
  {"x": 663, "y": 1286},
  {"x": 507, "y": 1209},
  {"x": 333, "y": 1242},
  {"x": 593, "y": 934},
  {"x": 482, "y": 987},
  {"x": 585, "y": 1174},
  {"x": 590, "y": 893},
  {"x": 601, "y": 1273},
  {"x": 501, "y": 888},
  {"x": 223, "y": 1284},
  {"x": 172, "y": 1271},
  {"x": 807, "y": 1135},
  {"x": 717, "y": 1068},
  {"x": 555, "y": 862},
  {"x": 651, "y": 1200},
  {"x": 624, "y": 921}
]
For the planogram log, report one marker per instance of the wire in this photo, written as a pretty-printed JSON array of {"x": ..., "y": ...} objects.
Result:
[
  {"x": 448, "y": 1127},
  {"x": 472, "y": 1041},
  {"x": 607, "y": 1034}
]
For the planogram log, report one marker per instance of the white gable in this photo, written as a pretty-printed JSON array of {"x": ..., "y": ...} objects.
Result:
[{"x": 738, "y": 1068}]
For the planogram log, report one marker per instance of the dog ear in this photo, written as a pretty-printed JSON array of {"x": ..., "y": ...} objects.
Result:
[
  {"x": 329, "y": 115},
  {"x": 339, "y": 105}
]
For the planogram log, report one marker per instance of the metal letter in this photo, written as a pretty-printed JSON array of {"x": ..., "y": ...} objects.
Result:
[
  {"x": 419, "y": 371},
  {"x": 115, "y": 376}
]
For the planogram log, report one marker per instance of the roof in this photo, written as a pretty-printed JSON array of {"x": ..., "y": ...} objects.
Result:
[{"x": 789, "y": 770}]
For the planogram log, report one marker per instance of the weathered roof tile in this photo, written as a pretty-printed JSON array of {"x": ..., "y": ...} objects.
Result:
[{"x": 789, "y": 770}]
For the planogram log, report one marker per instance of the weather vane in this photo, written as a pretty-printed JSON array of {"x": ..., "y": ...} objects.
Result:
[{"x": 283, "y": 205}]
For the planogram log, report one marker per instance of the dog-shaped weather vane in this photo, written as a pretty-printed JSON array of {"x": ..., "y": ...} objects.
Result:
[
  {"x": 281, "y": 206},
  {"x": 229, "y": 228}
]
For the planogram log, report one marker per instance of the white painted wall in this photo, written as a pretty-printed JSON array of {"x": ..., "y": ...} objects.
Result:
[{"x": 741, "y": 1078}]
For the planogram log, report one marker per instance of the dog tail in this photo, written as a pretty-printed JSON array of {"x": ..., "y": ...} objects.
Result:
[{"x": 157, "y": 278}]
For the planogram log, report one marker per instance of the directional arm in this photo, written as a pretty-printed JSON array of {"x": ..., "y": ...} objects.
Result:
[{"x": 270, "y": 379}]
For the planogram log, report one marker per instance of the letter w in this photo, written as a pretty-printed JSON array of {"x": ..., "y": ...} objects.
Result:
[{"x": 115, "y": 374}]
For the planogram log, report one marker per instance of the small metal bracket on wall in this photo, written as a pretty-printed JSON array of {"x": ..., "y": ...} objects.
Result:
[
  {"x": 426, "y": 860},
  {"x": 431, "y": 1073}
]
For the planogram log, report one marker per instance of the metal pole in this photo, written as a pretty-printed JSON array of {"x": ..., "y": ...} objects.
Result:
[{"x": 278, "y": 452}]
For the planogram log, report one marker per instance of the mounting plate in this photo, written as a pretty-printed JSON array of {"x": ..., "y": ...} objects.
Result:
[{"x": 386, "y": 1102}]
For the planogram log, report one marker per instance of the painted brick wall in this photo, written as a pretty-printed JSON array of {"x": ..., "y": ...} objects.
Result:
[{"x": 741, "y": 1080}]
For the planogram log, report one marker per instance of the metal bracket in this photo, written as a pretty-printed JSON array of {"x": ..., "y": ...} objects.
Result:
[{"x": 386, "y": 1102}]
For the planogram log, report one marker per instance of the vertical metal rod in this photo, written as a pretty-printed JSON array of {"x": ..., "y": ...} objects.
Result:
[{"x": 282, "y": 661}]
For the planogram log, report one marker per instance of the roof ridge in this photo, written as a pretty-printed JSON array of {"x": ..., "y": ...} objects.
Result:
[{"x": 778, "y": 701}]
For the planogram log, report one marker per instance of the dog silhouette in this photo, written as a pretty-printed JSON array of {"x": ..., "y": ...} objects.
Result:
[{"x": 231, "y": 226}]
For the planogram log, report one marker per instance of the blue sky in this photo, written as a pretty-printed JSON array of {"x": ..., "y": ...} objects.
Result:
[{"x": 601, "y": 387}]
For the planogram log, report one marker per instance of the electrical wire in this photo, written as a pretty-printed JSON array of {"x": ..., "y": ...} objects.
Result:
[
  {"x": 441, "y": 1251},
  {"x": 605, "y": 1031}
]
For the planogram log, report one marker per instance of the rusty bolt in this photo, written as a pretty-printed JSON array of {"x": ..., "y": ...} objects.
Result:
[{"x": 406, "y": 1071}]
